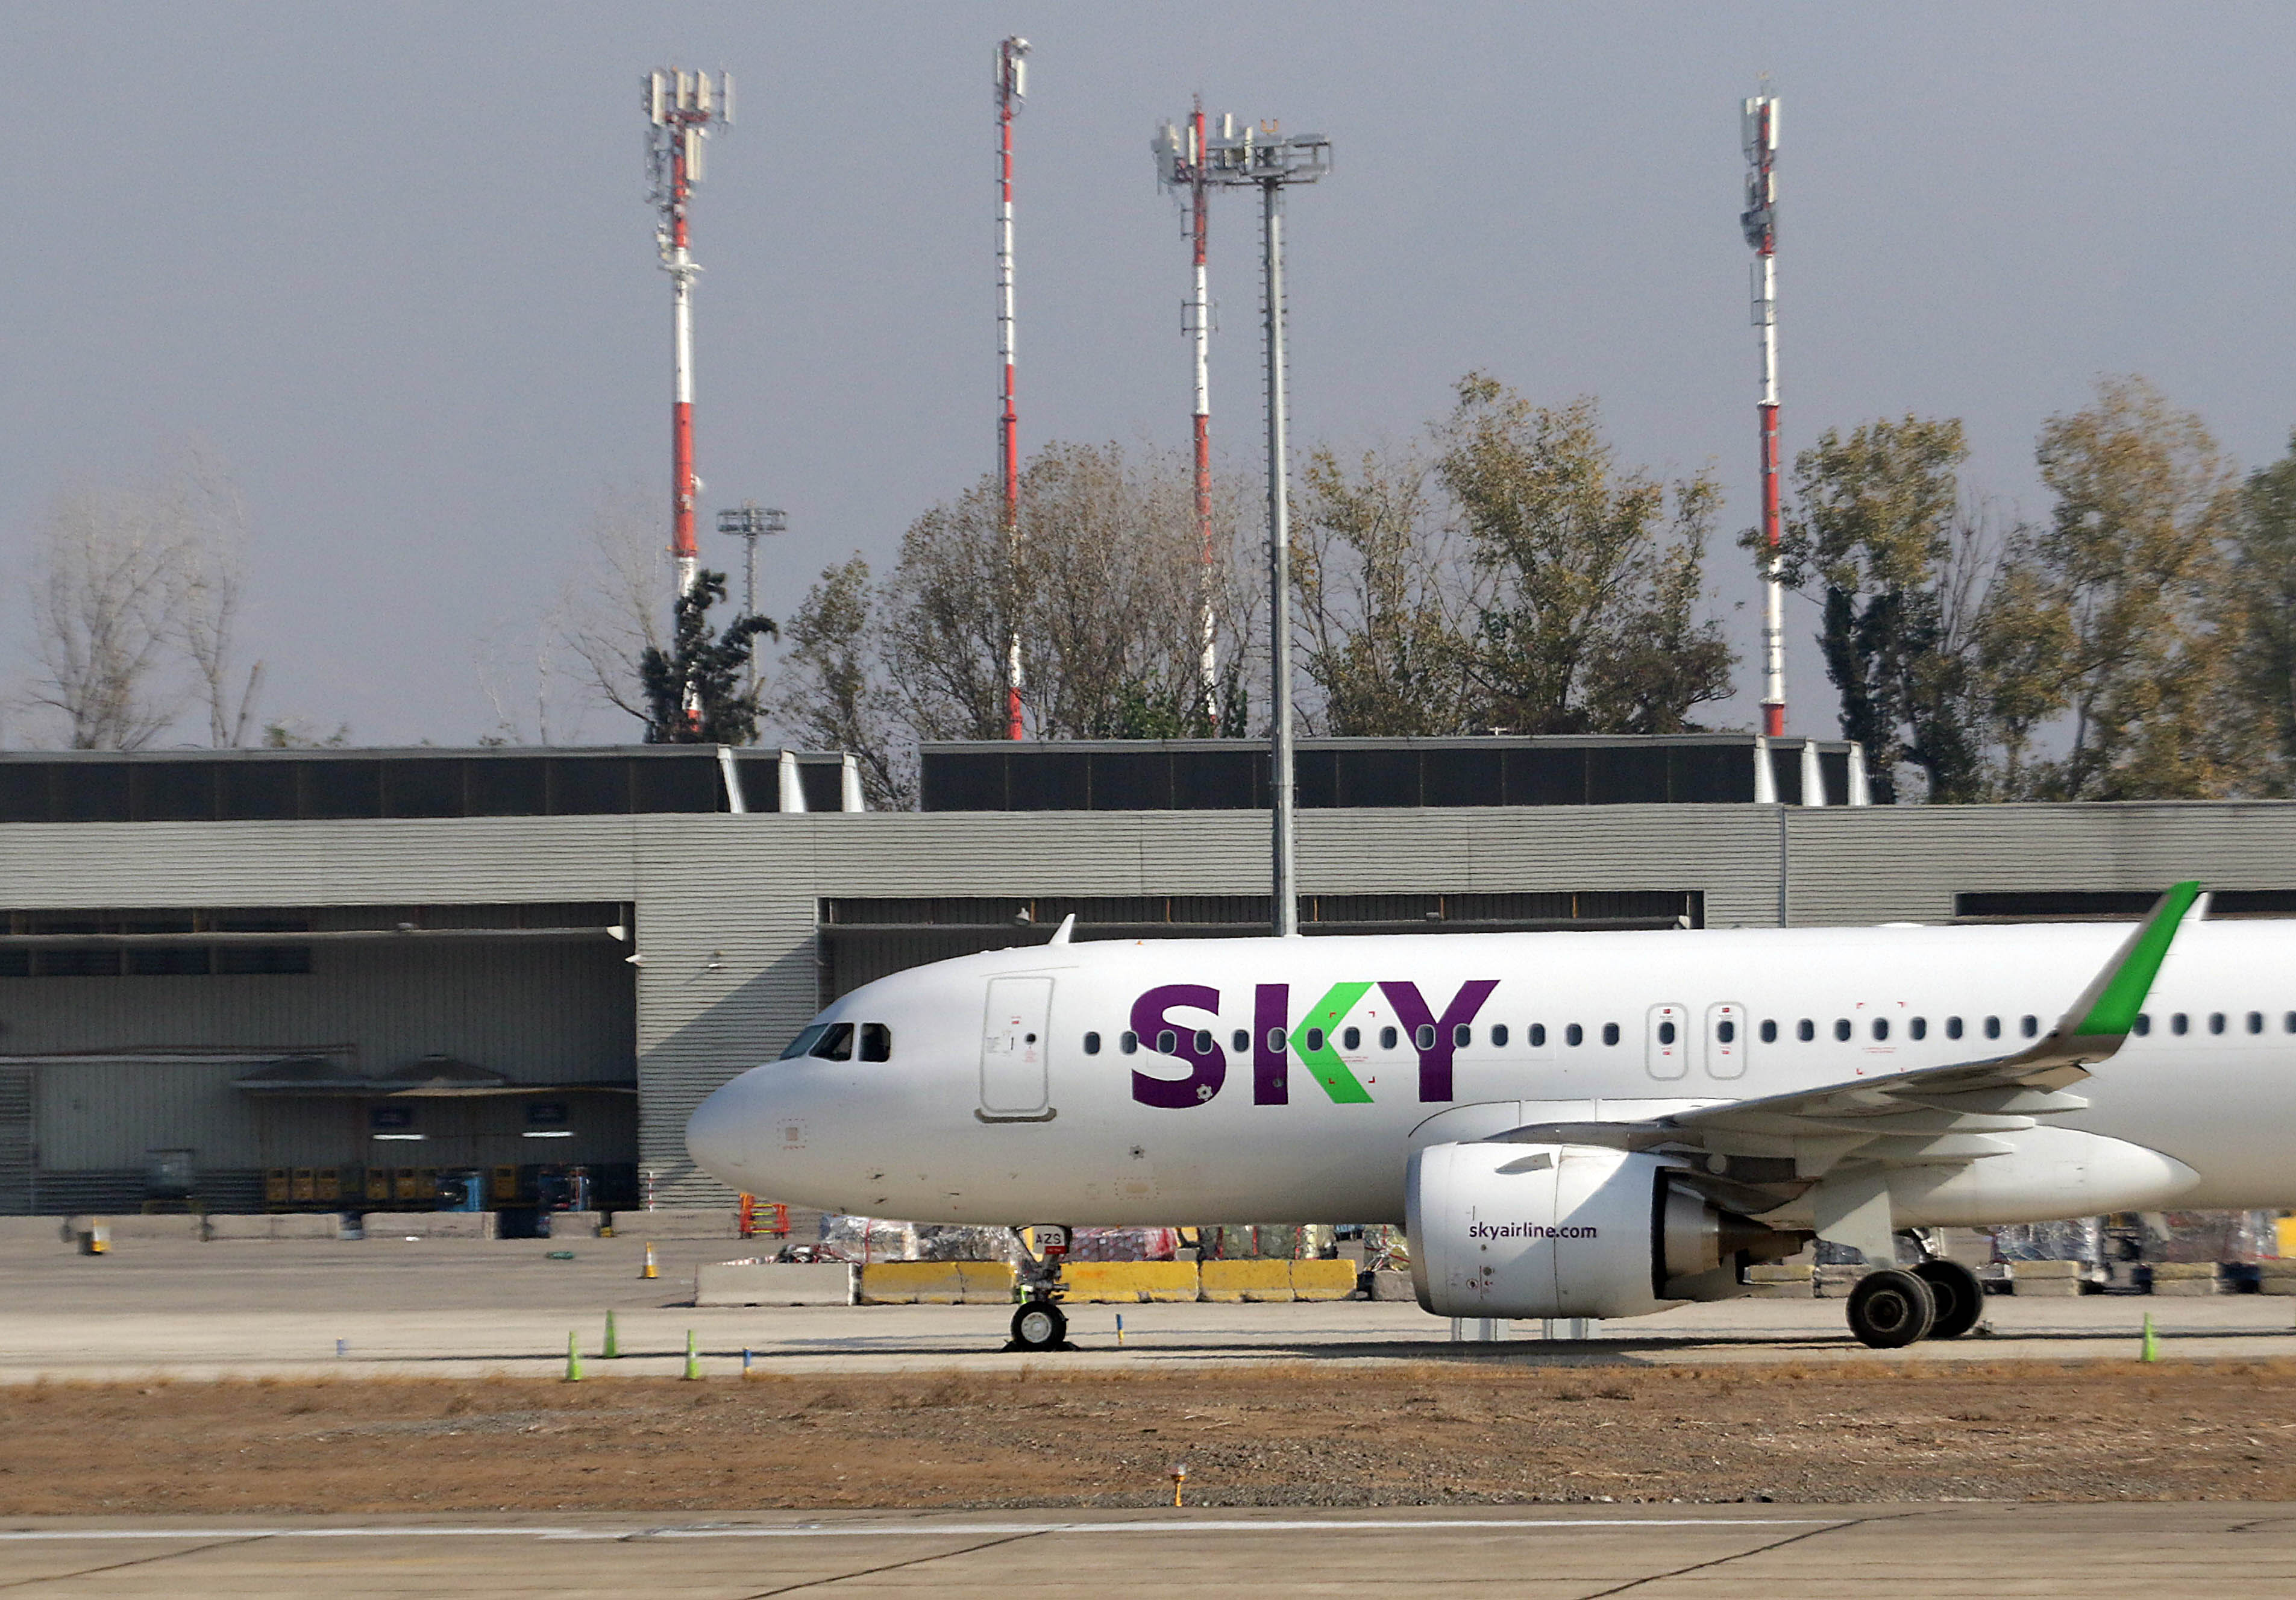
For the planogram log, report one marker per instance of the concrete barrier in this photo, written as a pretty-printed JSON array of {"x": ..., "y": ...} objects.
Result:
[
  {"x": 427, "y": 1225},
  {"x": 2275, "y": 1277},
  {"x": 2046, "y": 1280},
  {"x": 776, "y": 1283},
  {"x": 1129, "y": 1282},
  {"x": 573, "y": 1225},
  {"x": 136, "y": 1225},
  {"x": 1393, "y": 1286},
  {"x": 1780, "y": 1280},
  {"x": 1318, "y": 1279},
  {"x": 289, "y": 1224},
  {"x": 36, "y": 1230},
  {"x": 698, "y": 1222},
  {"x": 2188, "y": 1278},
  {"x": 1230, "y": 1282},
  {"x": 938, "y": 1284}
]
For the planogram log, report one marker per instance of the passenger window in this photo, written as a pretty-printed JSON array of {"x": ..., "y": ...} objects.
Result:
[
  {"x": 1275, "y": 1038},
  {"x": 1953, "y": 1028},
  {"x": 1574, "y": 1036},
  {"x": 2288, "y": 1022},
  {"x": 1424, "y": 1035},
  {"x": 836, "y": 1042},
  {"x": 1242, "y": 1041},
  {"x": 1168, "y": 1043},
  {"x": 1352, "y": 1039},
  {"x": 1726, "y": 1030},
  {"x": 1462, "y": 1036},
  {"x": 1498, "y": 1035},
  {"x": 1993, "y": 1027},
  {"x": 2031, "y": 1025},
  {"x": 1204, "y": 1041},
  {"x": 1539, "y": 1032},
  {"x": 2143, "y": 1023},
  {"x": 2216, "y": 1022},
  {"x": 2256, "y": 1021},
  {"x": 1666, "y": 1033},
  {"x": 1315, "y": 1038},
  {"x": 1805, "y": 1031},
  {"x": 1919, "y": 1028},
  {"x": 1769, "y": 1030},
  {"x": 1610, "y": 1033},
  {"x": 1092, "y": 1044},
  {"x": 803, "y": 1043},
  {"x": 1841, "y": 1029},
  {"x": 2179, "y": 1024},
  {"x": 1387, "y": 1037},
  {"x": 876, "y": 1042},
  {"x": 1881, "y": 1028},
  {"x": 1128, "y": 1042}
]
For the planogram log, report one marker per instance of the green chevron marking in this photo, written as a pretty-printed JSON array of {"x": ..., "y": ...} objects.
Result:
[{"x": 1340, "y": 1084}]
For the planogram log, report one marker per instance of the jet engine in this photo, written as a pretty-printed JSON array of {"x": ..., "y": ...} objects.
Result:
[{"x": 1570, "y": 1230}]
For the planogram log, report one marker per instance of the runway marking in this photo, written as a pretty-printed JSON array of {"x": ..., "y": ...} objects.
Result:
[{"x": 914, "y": 1530}]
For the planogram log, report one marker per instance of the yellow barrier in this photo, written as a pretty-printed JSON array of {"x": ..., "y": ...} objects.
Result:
[
  {"x": 1129, "y": 1282},
  {"x": 1323, "y": 1280},
  {"x": 1233, "y": 1281},
  {"x": 936, "y": 1283}
]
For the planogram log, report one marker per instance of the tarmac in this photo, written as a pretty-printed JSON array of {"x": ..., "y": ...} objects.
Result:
[
  {"x": 458, "y": 1309},
  {"x": 1775, "y": 1552}
]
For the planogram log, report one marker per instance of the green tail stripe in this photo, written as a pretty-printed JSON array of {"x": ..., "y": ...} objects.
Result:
[
  {"x": 2115, "y": 1011},
  {"x": 1331, "y": 1072}
]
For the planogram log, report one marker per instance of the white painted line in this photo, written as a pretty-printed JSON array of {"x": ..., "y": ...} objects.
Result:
[{"x": 909, "y": 1530}]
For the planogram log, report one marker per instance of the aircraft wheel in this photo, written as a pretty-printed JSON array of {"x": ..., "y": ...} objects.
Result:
[
  {"x": 1039, "y": 1325},
  {"x": 1891, "y": 1309},
  {"x": 1960, "y": 1298}
]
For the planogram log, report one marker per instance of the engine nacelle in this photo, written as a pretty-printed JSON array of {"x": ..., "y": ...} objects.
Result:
[{"x": 1568, "y": 1230}]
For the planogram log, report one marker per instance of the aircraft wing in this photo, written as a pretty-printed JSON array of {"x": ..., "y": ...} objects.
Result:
[{"x": 1842, "y": 1139}]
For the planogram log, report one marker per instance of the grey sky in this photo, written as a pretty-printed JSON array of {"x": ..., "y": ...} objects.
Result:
[{"x": 395, "y": 263}]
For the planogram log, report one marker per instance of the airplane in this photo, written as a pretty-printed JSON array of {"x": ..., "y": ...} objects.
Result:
[{"x": 1566, "y": 1124}]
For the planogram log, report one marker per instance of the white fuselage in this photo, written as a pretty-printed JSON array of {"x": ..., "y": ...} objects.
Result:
[{"x": 993, "y": 1108}]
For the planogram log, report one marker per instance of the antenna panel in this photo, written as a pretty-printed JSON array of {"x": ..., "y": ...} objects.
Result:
[
  {"x": 653, "y": 98},
  {"x": 725, "y": 98}
]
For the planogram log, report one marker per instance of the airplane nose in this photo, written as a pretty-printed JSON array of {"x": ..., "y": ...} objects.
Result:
[{"x": 717, "y": 1134}]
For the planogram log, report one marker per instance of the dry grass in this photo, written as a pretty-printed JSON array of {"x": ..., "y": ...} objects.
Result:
[{"x": 1302, "y": 1434}]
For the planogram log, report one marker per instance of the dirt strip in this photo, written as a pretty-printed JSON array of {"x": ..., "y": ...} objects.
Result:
[{"x": 1266, "y": 1435}]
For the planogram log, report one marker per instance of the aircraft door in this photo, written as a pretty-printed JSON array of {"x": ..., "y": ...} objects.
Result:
[
  {"x": 1666, "y": 1041},
  {"x": 1014, "y": 1038},
  {"x": 1725, "y": 1040}
]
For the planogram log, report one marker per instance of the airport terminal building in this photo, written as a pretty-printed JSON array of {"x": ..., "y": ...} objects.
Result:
[{"x": 349, "y": 980}]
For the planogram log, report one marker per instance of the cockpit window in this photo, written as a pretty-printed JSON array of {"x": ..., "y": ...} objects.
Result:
[
  {"x": 876, "y": 1042},
  {"x": 805, "y": 1041},
  {"x": 836, "y": 1042}
]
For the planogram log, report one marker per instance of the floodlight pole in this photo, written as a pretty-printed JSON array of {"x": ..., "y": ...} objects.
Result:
[
  {"x": 749, "y": 522},
  {"x": 1264, "y": 158}
]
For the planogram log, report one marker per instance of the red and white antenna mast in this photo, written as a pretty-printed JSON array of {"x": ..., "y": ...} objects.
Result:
[
  {"x": 1760, "y": 222},
  {"x": 1180, "y": 167},
  {"x": 681, "y": 108},
  {"x": 1012, "y": 88}
]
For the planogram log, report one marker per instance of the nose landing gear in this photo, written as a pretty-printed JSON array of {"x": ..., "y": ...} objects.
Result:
[{"x": 1038, "y": 1324}]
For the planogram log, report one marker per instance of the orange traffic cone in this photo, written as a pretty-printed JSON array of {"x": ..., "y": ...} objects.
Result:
[{"x": 652, "y": 1270}]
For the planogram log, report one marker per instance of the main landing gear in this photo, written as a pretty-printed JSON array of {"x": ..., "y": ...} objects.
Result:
[
  {"x": 1039, "y": 1323},
  {"x": 1896, "y": 1307}
]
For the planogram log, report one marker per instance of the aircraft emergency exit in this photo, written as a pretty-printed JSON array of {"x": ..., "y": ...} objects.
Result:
[{"x": 1567, "y": 1124}]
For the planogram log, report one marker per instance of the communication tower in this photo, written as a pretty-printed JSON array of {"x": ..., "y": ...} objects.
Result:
[
  {"x": 1759, "y": 220},
  {"x": 1180, "y": 167},
  {"x": 681, "y": 108},
  {"x": 1266, "y": 159},
  {"x": 1012, "y": 88}
]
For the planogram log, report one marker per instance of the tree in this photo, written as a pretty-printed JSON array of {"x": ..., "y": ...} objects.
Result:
[
  {"x": 709, "y": 672},
  {"x": 1874, "y": 536},
  {"x": 832, "y": 696},
  {"x": 1383, "y": 600},
  {"x": 609, "y": 615},
  {"x": 2260, "y": 619},
  {"x": 136, "y": 599},
  {"x": 1105, "y": 591},
  {"x": 2131, "y": 564},
  {"x": 1595, "y": 572}
]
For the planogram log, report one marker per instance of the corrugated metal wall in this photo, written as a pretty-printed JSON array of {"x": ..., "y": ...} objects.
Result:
[{"x": 726, "y": 905}]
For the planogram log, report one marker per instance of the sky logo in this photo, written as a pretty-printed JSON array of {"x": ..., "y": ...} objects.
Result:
[{"x": 1279, "y": 1043}]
